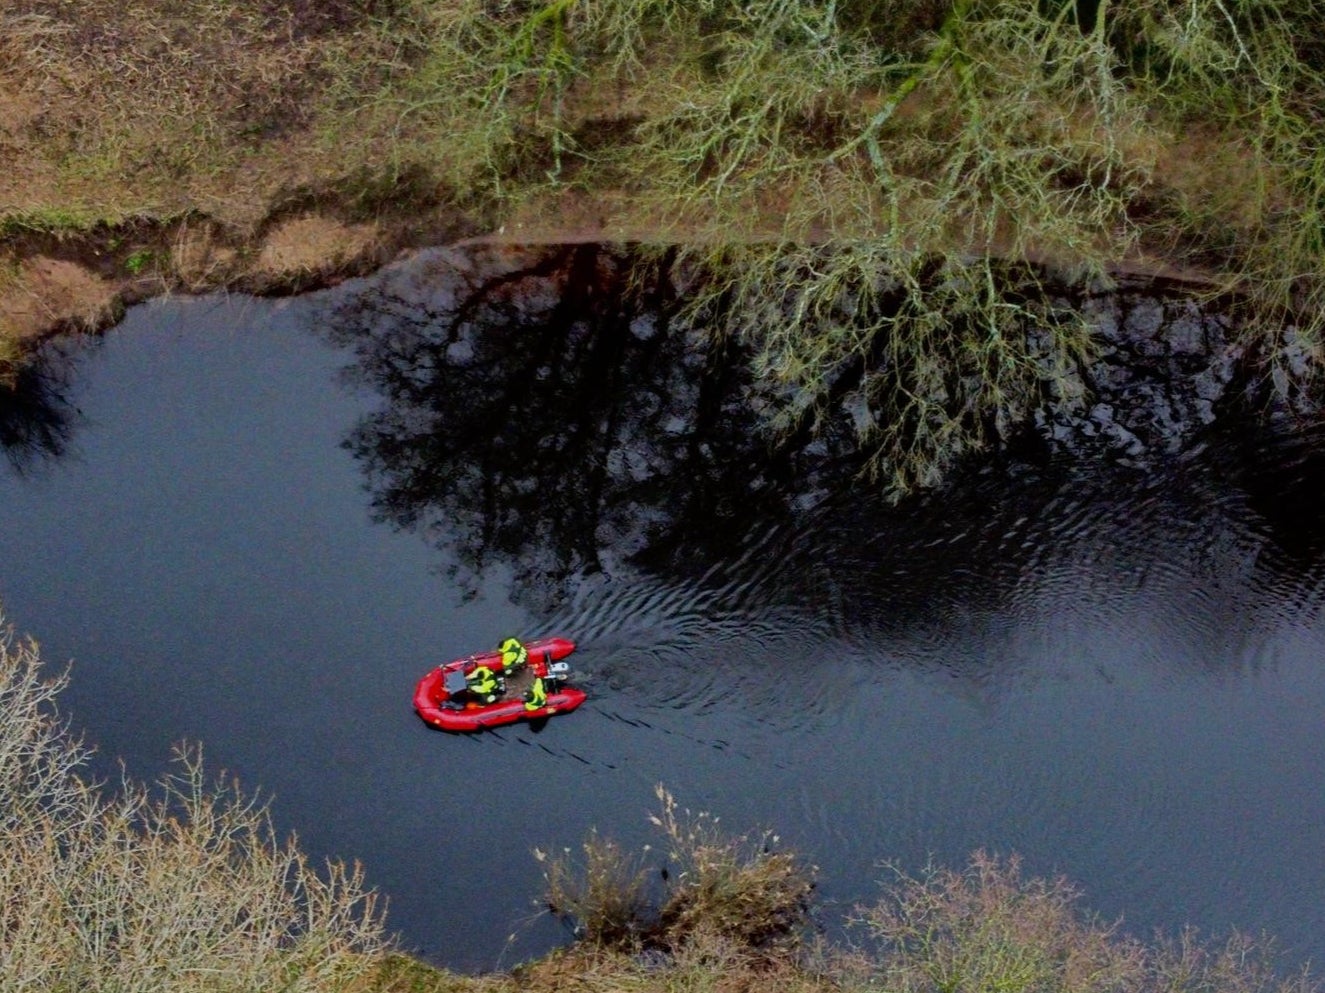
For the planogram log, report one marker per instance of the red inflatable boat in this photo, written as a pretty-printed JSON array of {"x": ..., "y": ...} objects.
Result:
[{"x": 441, "y": 698}]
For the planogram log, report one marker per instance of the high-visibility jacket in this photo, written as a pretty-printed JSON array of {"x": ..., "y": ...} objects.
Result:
[
  {"x": 482, "y": 682},
  {"x": 513, "y": 654},
  {"x": 536, "y": 698}
]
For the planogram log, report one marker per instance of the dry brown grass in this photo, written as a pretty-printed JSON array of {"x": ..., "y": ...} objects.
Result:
[
  {"x": 189, "y": 145},
  {"x": 310, "y": 247},
  {"x": 200, "y": 257},
  {"x": 161, "y": 108},
  {"x": 733, "y": 892},
  {"x": 183, "y": 887},
  {"x": 38, "y": 294}
]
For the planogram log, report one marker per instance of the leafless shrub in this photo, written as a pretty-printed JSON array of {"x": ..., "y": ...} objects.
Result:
[
  {"x": 721, "y": 893},
  {"x": 182, "y": 887}
]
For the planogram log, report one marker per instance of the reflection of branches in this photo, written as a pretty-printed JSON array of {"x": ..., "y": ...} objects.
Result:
[
  {"x": 1281, "y": 471},
  {"x": 543, "y": 411},
  {"x": 35, "y": 418}
]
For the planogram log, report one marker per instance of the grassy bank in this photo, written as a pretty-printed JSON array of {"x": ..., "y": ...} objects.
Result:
[
  {"x": 184, "y": 886},
  {"x": 852, "y": 182}
]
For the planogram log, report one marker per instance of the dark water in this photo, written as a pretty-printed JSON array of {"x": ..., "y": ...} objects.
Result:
[{"x": 1120, "y": 677}]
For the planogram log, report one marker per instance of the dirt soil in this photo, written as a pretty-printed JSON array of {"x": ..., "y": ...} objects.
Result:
[{"x": 52, "y": 284}]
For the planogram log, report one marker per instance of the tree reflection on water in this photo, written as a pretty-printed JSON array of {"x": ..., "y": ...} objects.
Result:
[
  {"x": 541, "y": 409},
  {"x": 36, "y": 418}
]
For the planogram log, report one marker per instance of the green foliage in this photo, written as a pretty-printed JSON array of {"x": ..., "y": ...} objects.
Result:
[
  {"x": 988, "y": 928},
  {"x": 137, "y": 261},
  {"x": 818, "y": 156},
  {"x": 1251, "y": 76},
  {"x": 925, "y": 149},
  {"x": 945, "y": 356}
]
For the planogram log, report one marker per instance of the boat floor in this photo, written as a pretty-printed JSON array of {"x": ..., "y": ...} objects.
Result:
[{"x": 518, "y": 684}]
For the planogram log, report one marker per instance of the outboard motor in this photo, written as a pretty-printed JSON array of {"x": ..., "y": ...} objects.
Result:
[{"x": 560, "y": 671}]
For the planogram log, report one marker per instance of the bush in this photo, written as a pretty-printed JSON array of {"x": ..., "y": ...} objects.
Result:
[
  {"x": 989, "y": 930},
  {"x": 184, "y": 887},
  {"x": 604, "y": 896},
  {"x": 720, "y": 891}
]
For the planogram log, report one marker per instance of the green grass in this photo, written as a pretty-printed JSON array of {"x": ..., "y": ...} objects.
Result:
[
  {"x": 57, "y": 220},
  {"x": 138, "y": 261}
]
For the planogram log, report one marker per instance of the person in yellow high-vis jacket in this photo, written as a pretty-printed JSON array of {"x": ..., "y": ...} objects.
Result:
[
  {"x": 483, "y": 683},
  {"x": 536, "y": 696},
  {"x": 514, "y": 656}
]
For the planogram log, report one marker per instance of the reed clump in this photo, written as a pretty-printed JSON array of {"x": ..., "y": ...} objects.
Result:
[
  {"x": 181, "y": 887},
  {"x": 715, "y": 890},
  {"x": 989, "y": 927},
  {"x": 604, "y": 893},
  {"x": 985, "y": 927}
]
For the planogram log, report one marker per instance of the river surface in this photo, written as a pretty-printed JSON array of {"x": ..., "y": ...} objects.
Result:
[{"x": 255, "y": 524}]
